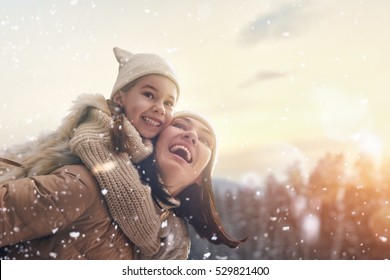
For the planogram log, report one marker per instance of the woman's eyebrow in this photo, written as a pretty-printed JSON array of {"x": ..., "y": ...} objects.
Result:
[{"x": 207, "y": 131}]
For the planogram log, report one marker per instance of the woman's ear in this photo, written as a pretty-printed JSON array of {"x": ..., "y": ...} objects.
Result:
[{"x": 200, "y": 180}]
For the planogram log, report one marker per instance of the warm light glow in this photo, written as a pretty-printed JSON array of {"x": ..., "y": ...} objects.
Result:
[
  {"x": 251, "y": 180},
  {"x": 264, "y": 79},
  {"x": 371, "y": 145},
  {"x": 310, "y": 228},
  {"x": 380, "y": 224}
]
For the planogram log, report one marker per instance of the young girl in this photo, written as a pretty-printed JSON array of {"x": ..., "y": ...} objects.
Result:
[{"x": 108, "y": 137}]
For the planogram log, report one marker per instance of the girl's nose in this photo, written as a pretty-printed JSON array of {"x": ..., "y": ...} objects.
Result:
[{"x": 158, "y": 109}]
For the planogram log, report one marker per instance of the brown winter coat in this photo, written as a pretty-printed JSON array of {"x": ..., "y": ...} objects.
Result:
[{"x": 65, "y": 217}]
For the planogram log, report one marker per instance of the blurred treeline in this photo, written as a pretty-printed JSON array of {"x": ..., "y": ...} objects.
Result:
[{"x": 337, "y": 211}]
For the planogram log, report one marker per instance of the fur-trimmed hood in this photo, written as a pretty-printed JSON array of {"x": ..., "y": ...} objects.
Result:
[{"x": 51, "y": 150}]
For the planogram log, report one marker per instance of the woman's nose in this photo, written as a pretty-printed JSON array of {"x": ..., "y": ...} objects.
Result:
[{"x": 191, "y": 137}]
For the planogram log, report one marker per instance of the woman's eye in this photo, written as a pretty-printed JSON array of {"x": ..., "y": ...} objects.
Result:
[
  {"x": 179, "y": 125},
  {"x": 205, "y": 141}
]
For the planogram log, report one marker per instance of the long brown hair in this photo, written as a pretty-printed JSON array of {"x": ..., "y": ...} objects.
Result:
[{"x": 197, "y": 205}]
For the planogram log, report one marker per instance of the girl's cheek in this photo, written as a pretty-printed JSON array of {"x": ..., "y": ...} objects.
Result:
[
  {"x": 164, "y": 126},
  {"x": 169, "y": 117}
]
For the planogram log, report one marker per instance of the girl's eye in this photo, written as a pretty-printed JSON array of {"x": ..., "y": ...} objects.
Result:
[
  {"x": 149, "y": 95},
  {"x": 169, "y": 104}
]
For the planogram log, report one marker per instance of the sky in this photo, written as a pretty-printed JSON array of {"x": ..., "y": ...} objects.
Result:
[{"x": 281, "y": 81}]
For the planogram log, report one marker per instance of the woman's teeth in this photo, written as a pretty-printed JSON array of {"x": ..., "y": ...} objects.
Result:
[{"x": 182, "y": 152}]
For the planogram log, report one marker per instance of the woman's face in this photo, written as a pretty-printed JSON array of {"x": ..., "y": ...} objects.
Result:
[{"x": 183, "y": 150}]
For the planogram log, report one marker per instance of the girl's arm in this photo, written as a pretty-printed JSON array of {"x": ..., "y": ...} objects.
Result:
[{"x": 129, "y": 201}]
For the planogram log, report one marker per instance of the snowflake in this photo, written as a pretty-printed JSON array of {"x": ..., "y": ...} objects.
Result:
[
  {"x": 164, "y": 224},
  {"x": 74, "y": 234}
]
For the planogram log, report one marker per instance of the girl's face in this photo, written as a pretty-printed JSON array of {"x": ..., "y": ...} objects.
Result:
[
  {"x": 183, "y": 150},
  {"x": 149, "y": 104}
]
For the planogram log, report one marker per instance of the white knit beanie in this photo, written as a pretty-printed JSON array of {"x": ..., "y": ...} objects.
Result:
[{"x": 133, "y": 66}]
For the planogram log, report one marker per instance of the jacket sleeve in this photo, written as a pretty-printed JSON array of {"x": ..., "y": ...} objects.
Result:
[
  {"x": 129, "y": 201},
  {"x": 40, "y": 206}
]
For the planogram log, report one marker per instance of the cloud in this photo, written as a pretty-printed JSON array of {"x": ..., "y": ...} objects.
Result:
[
  {"x": 263, "y": 76},
  {"x": 283, "y": 22}
]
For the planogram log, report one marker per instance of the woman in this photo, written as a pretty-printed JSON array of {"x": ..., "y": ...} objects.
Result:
[{"x": 64, "y": 215}]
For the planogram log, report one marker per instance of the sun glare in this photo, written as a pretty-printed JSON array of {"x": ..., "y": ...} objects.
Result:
[{"x": 370, "y": 144}]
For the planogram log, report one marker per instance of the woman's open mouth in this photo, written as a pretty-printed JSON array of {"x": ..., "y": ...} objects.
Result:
[{"x": 182, "y": 152}]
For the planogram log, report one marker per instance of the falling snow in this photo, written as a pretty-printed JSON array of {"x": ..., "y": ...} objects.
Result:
[
  {"x": 337, "y": 209},
  {"x": 207, "y": 255},
  {"x": 164, "y": 224},
  {"x": 74, "y": 234}
]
